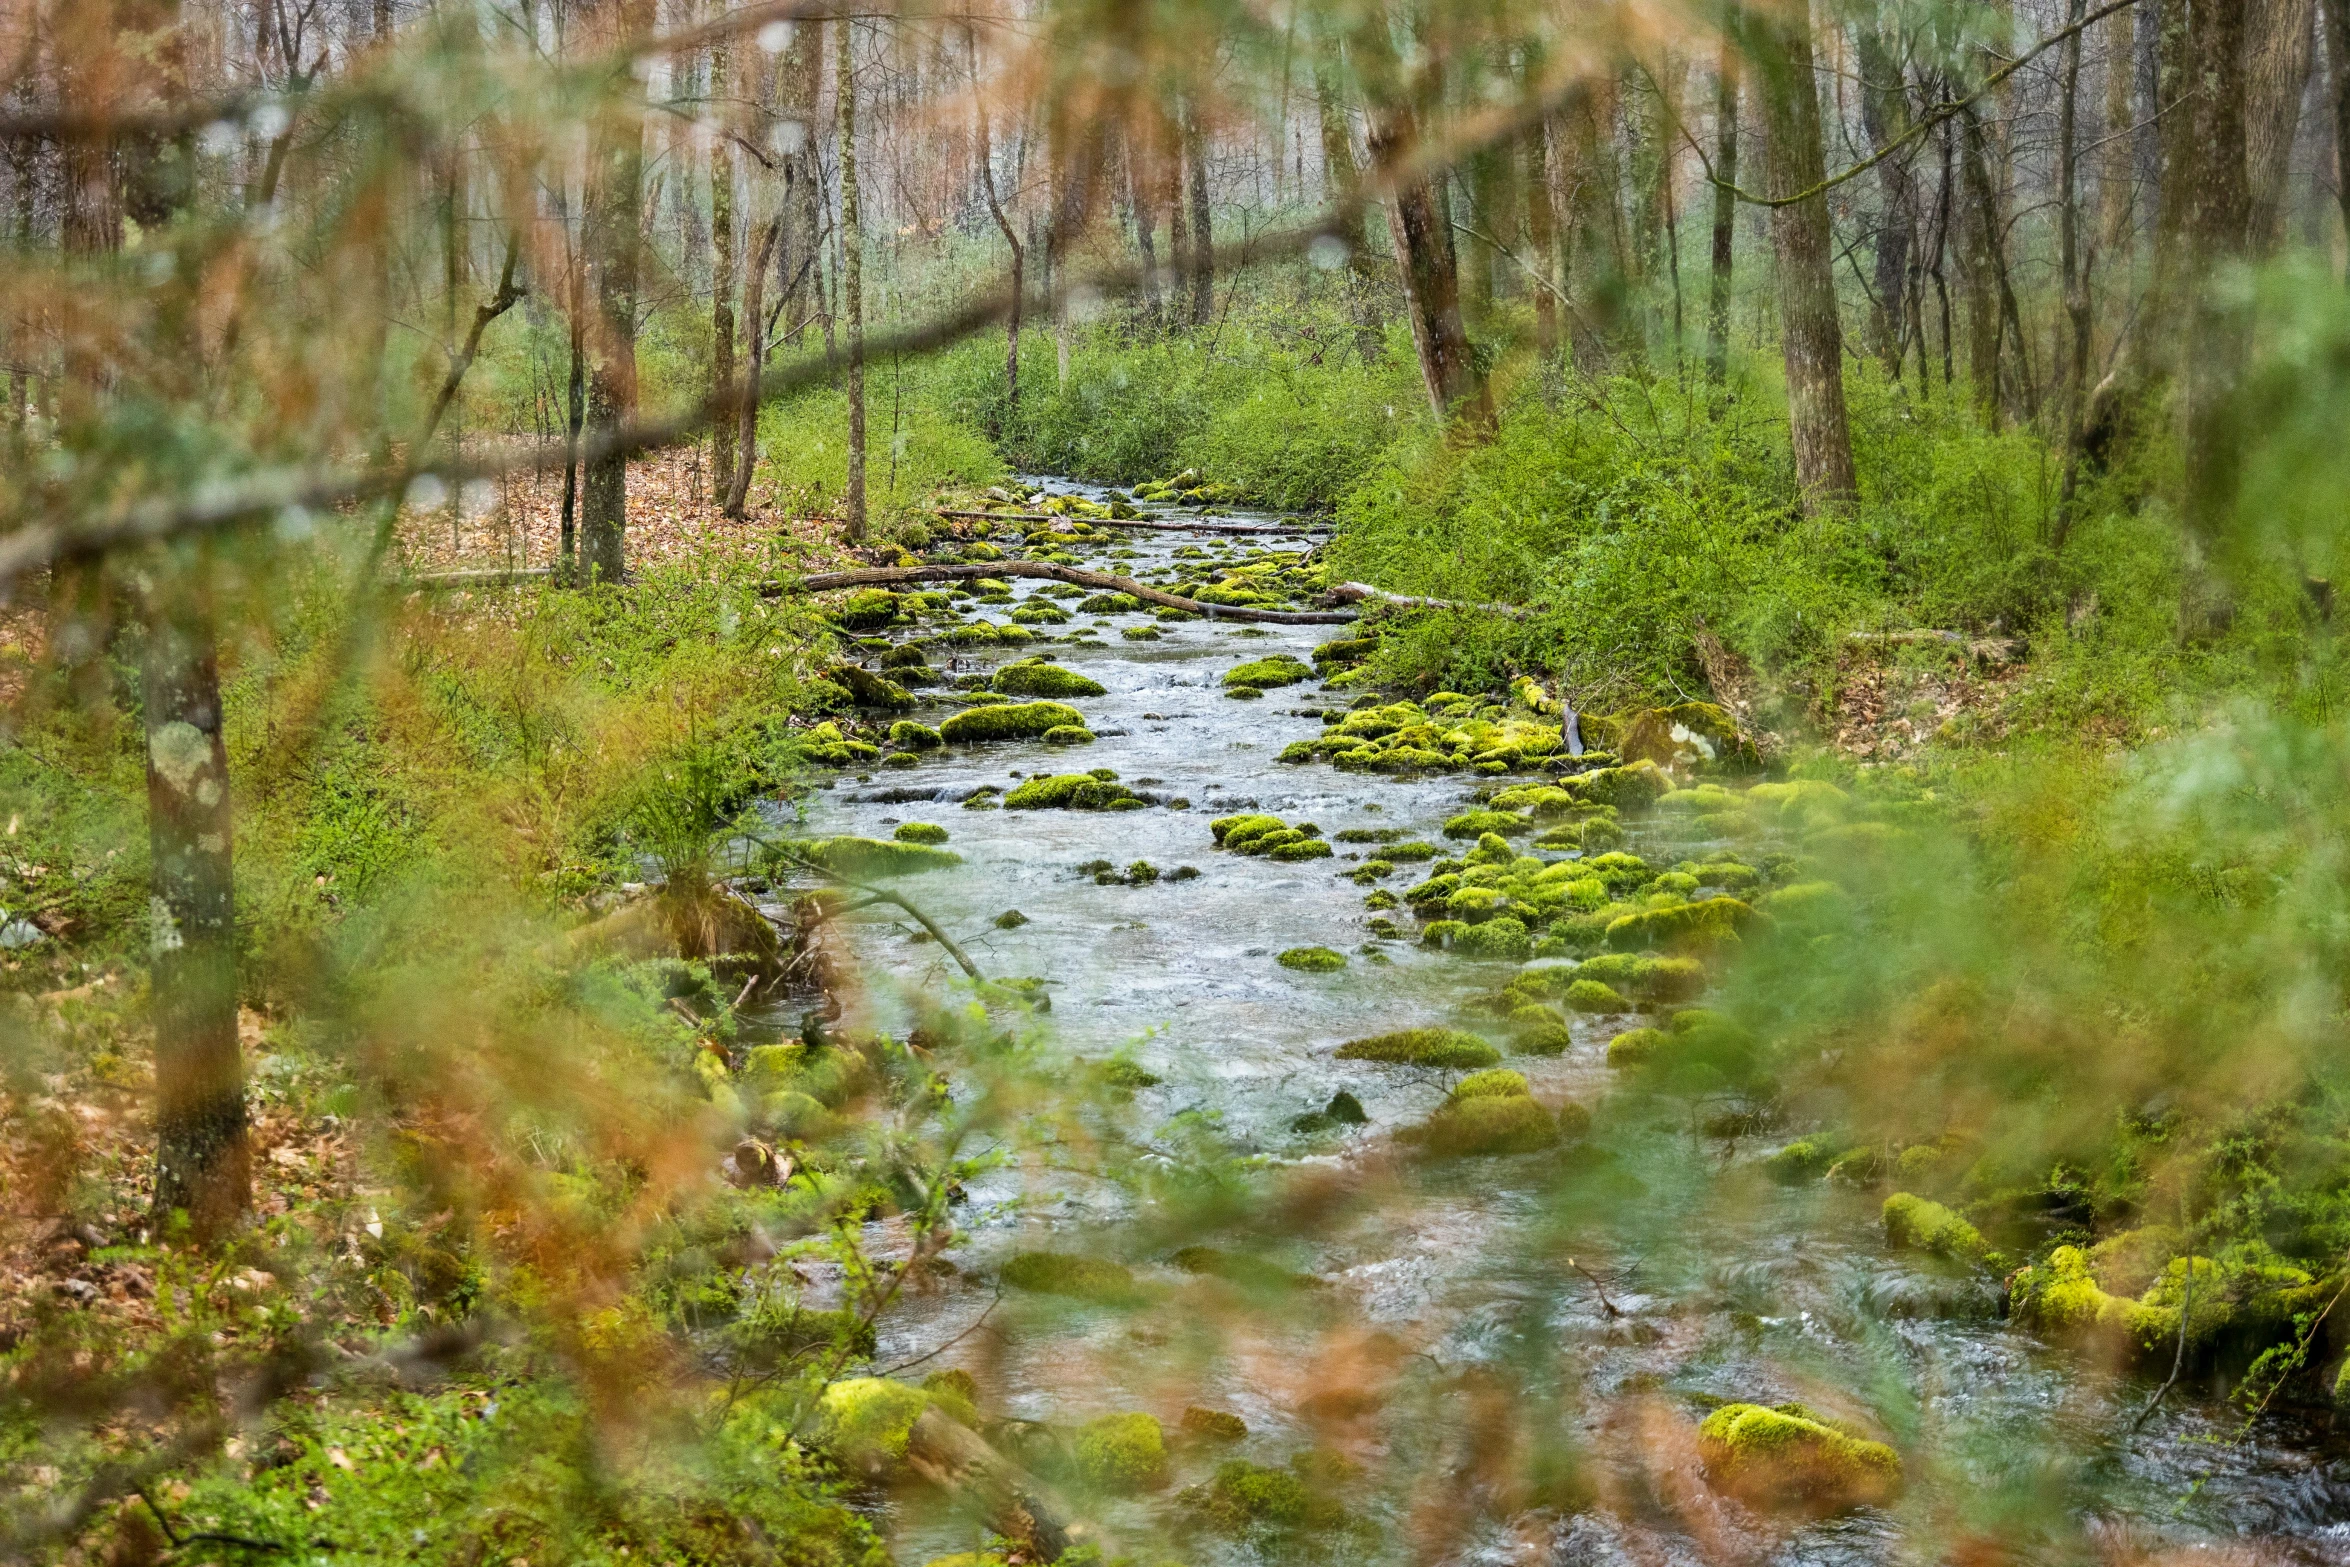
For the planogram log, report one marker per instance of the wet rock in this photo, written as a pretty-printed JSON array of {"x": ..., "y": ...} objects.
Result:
[
  {"x": 1429, "y": 1047},
  {"x": 1034, "y": 677},
  {"x": 1788, "y": 1456},
  {"x": 1079, "y": 1278},
  {"x": 919, "y": 832},
  {"x": 1009, "y": 721},
  {"x": 1072, "y": 792},
  {"x": 862, "y": 857},
  {"x": 1312, "y": 960},
  {"x": 1213, "y": 1425},
  {"x": 1914, "y": 1224}
]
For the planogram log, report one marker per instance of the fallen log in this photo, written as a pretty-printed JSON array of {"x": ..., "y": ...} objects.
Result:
[
  {"x": 1993, "y": 650},
  {"x": 1356, "y": 592},
  {"x": 1201, "y": 526},
  {"x": 478, "y": 579},
  {"x": 1013, "y": 1502},
  {"x": 890, "y": 576}
]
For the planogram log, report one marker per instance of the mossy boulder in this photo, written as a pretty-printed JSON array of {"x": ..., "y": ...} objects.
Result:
[
  {"x": 1246, "y": 1498},
  {"x": 1213, "y": 1425},
  {"x": 1485, "y": 1124},
  {"x": 908, "y": 735},
  {"x": 1009, "y": 721},
  {"x": 1632, "y": 787},
  {"x": 1070, "y": 792},
  {"x": 868, "y": 689},
  {"x": 864, "y": 1422},
  {"x": 1111, "y": 604},
  {"x": 1681, "y": 927},
  {"x": 1430, "y": 1047},
  {"x": 866, "y": 609},
  {"x": 1079, "y": 1278},
  {"x": 1637, "y": 1047},
  {"x": 1121, "y": 1454},
  {"x": 1787, "y": 1456},
  {"x": 1035, "y": 677},
  {"x": 1312, "y": 960},
  {"x": 1914, "y": 1224},
  {"x": 1501, "y": 939},
  {"x": 919, "y": 832},
  {"x": 1686, "y": 735},
  {"x": 1475, "y": 824},
  {"x": 1589, "y": 995},
  {"x": 1068, "y": 734},
  {"x": 1266, "y": 674},
  {"x": 1493, "y": 1083}
]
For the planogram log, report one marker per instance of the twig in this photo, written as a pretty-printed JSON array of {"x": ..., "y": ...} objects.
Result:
[
  {"x": 908, "y": 1365},
  {"x": 1606, "y": 1304}
]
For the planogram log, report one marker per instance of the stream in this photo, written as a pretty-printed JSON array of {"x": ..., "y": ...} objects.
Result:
[{"x": 1514, "y": 1350}]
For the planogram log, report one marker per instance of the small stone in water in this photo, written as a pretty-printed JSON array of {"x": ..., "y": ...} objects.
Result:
[{"x": 1010, "y": 919}]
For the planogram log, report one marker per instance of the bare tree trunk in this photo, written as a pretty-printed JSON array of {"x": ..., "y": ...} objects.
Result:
[
  {"x": 2116, "y": 169},
  {"x": 1977, "y": 212},
  {"x": 852, "y": 250},
  {"x": 1884, "y": 113},
  {"x": 575, "y": 417},
  {"x": 2216, "y": 324},
  {"x": 1717, "y": 314},
  {"x": 1801, "y": 239},
  {"x": 615, "y": 220},
  {"x": 1203, "y": 241},
  {"x": 1431, "y": 283},
  {"x": 1011, "y": 235},
  {"x": 722, "y": 279},
  {"x": 1340, "y": 182},
  {"x": 203, "y": 1165},
  {"x": 2338, "y": 64},
  {"x": 2279, "y": 47},
  {"x": 2073, "y": 273},
  {"x": 746, "y": 418},
  {"x": 1542, "y": 229}
]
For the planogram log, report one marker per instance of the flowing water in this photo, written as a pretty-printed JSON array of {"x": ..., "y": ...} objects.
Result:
[{"x": 1619, "y": 1292}]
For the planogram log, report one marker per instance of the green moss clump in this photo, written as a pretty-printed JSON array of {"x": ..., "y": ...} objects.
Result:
[
  {"x": 1632, "y": 787},
  {"x": 1240, "y": 1268},
  {"x": 1213, "y": 1425},
  {"x": 865, "y": 1421},
  {"x": 1409, "y": 853},
  {"x": 1111, "y": 604},
  {"x": 1245, "y": 1497},
  {"x": 1485, "y": 1125},
  {"x": 866, "y": 609},
  {"x": 919, "y": 832},
  {"x": 1430, "y": 1047},
  {"x": 1914, "y": 1224},
  {"x": 1069, "y": 792},
  {"x": 1009, "y": 721},
  {"x": 1502, "y": 939},
  {"x": 1121, "y": 1454},
  {"x": 851, "y": 856},
  {"x": 1495, "y": 1082},
  {"x": 1068, "y": 734},
  {"x": 1079, "y": 1278},
  {"x": 1267, "y": 674},
  {"x": 1302, "y": 849},
  {"x": 1781, "y": 1456},
  {"x": 1686, "y": 926},
  {"x": 1589, "y": 995},
  {"x": 867, "y": 689},
  {"x": 1475, "y": 824},
  {"x": 1248, "y": 826},
  {"x": 1312, "y": 960},
  {"x": 908, "y": 735},
  {"x": 1804, "y": 1159},
  {"x": 1035, "y": 677},
  {"x": 1636, "y": 1046}
]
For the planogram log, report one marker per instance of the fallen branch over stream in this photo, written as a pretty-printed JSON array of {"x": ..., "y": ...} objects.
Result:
[
  {"x": 1135, "y": 522},
  {"x": 1356, "y": 592},
  {"x": 889, "y": 576}
]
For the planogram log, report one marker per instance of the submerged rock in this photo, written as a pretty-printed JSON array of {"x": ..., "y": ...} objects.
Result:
[
  {"x": 1080, "y": 1278},
  {"x": 1787, "y": 1455},
  {"x": 1009, "y": 721},
  {"x": 1035, "y": 677},
  {"x": 1312, "y": 960},
  {"x": 1430, "y": 1047}
]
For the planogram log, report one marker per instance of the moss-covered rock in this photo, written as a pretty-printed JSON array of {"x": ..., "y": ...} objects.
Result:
[
  {"x": 1589, "y": 995},
  {"x": 919, "y": 832},
  {"x": 1111, "y": 604},
  {"x": 1475, "y": 824},
  {"x": 1068, "y": 734},
  {"x": 1245, "y": 1498},
  {"x": 1681, "y": 927},
  {"x": 1312, "y": 960},
  {"x": 1632, "y": 787},
  {"x": 1429, "y": 1047},
  {"x": 1009, "y": 721},
  {"x": 1121, "y": 1454},
  {"x": 1080, "y": 1278},
  {"x": 1069, "y": 792},
  {"x": 1637, "y": 1047},
  {"x": 1787, "y": 1456},
  {"x": 1213, "y": 1425},
  {"x": 1267, "y": 674},
  {"x": 864, "y": 1422},
  {"x": 1035, "y": 677},
  {"x": 867, "y": 689},
  {"x": 866, "y": 609},
  {"x": 908, "y": 735},
  {"x": 1486, "y": 1124},
  {"x": 1501, "y": 939},
  {"x": 1914, "y": 1224},
  {"x": 1493, "y": 1083}
]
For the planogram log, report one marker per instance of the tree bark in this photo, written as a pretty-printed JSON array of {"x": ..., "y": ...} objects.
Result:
[
  {"x": 203, "y": 1166},
  {"x": 1542, "y": 230},
  {"x": 852, "y": 251},
  {"x": 1977, "y": 213},
  {"x": 2072, "y": 272},
  {"x": 2116, "y": 171},
  {"x": 1003, "y": 224},
  {"x": 1884, "y": 112},
  {"x": 2216, "y": 324},
  {"x": 722, "y": 279},
  {"x": 746, "y": 417},
  {"x": 2279, "y": 47},
  {"x": 1725, "y": 235},
  {"x": 1203, "y": 230},
  {"x": 1431, "y": 282},
  {"x": 2338, "y": 66},
  {"x": 1812, "y": 338},
  {"x": 614, "y": 245}
]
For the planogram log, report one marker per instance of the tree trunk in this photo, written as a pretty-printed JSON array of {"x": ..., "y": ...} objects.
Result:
[
  {"x": 1341, "y": 181},
  {"x": 2116, "y": 170},
  {"x": 2070, "y": 268},
  {"x": 746, "y": 417},
  {"x": 1717, "y": 313},
  {"x": 203, "y": 1167},
  {"x": 1003, "y": 224},
  {"x": 2338, "y": 64},
  {"x": 722, "y": 279},
  {"x": 852, "y": 251},
  {"x": 2216, "y": 324},
  {"x": 1884, "y": 113},
  {"x": 614, "y": 245},
  {"x": 1805, "y": 247},
  {"x": 1977, "y": 213},
  {"x": 1431, "y": 283},
  {"x": 1203, "y": 233},
  {"x": 1542, "y": 230},
  {"x": 2280, "y": 45}
]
